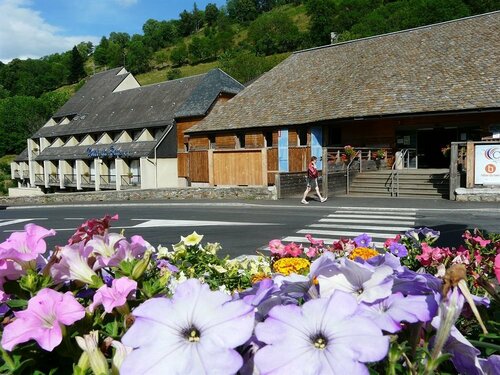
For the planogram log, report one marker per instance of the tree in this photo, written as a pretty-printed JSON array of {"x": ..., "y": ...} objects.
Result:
[
  {"x": 20, "y": 116},
  {"x": 138, "y": 57},
  {"x": 198, "y": 17},
  {"x": 187, "y": 23},
  {"x": 245, "y": 66},
  {"x": 85, "y": 49},
  {"x": 322, "y": 13},
  {"x": 242, "y": 11},
  {"x": 211, "y": 14},
  {"x": 115, "y": 55},
  {"x": 174, "y": 74},
  {"x": 273, "y": 32},
  {"x": 122, "y": 39},
  {"x": 76, "y": 68},
  {"x": 101, "y": 52},
  {"x": 159, "y": 34},
  {"x": 202, "y": 49},
  {"x": 179, "y": 55},
  {"x": 4, "y": 93}
]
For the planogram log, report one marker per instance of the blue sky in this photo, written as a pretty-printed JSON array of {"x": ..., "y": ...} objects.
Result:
[{"x": 36, "y": 28}]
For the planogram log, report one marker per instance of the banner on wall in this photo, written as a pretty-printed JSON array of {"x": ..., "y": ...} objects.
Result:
[{"x": 487, "y": 164}]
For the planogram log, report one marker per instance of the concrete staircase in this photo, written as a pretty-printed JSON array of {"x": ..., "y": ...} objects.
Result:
[{"x": 421, "y": 183}]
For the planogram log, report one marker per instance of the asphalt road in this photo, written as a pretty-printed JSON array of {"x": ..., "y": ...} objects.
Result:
[{"x": 244, "y": 227}]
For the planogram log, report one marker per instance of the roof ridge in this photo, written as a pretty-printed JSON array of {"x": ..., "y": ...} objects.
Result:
[
  {"x": 397, "y": 32},
  {"x": 168, "y": 81}
]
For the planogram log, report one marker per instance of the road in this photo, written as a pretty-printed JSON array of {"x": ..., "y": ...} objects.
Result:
[{"x": 244, "y": 227}]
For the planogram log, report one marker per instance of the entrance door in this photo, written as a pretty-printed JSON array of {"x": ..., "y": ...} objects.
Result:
[{"x": 429, "y": 145}]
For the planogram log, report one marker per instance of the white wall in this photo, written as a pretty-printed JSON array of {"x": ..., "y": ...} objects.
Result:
[{"x": 164, "y": 175}]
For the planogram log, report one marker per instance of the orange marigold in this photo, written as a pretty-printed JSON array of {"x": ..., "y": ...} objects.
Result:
[
  {"x": 364, "y": 253},
  {"x": 287, "y": 266}
]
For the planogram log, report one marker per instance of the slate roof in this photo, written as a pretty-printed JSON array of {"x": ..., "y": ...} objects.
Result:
[
  {"x": 23, "y": 156},
  {"x": 203, "y": 96},
  {"x": 94, "y": 90},
  {"x": 451, "y": 66},
  {"x": 155, "y": 105}
]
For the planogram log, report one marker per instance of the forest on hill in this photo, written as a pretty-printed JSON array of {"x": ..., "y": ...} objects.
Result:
[{"x": 245, "y": 38}]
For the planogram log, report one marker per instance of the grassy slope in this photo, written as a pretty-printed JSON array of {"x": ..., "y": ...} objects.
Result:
[{"x": 160, "y": 66}]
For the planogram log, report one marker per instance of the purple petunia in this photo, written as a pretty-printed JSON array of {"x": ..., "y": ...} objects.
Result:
[
  {"x": 366, "y": 283},
  {"x": 363, "y": 240},
  {"x": 389, "y": 313},
  {"x": 194, "y": 332},
  {"x": 398, "y": 249},
  {"x": 324, "y": 336}
]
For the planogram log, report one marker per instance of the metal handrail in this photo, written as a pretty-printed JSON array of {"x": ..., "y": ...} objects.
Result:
[
  {"x": 349, "y": 168},
  {"x": 405, "y": 152}
]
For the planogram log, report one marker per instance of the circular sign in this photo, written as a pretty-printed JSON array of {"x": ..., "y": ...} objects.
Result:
[{"x": 490, "y": 168}]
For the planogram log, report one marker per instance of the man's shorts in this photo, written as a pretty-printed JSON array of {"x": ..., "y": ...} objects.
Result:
[{"x": 312, "y": 182}]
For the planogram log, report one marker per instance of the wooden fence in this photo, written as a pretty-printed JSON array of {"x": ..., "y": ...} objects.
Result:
[
  {"x": 238, "y": 167},
  {"x": 198, "y": 166}
]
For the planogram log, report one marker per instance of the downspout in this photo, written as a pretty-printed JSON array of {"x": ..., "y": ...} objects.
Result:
[{"x": 157, "y": 144}]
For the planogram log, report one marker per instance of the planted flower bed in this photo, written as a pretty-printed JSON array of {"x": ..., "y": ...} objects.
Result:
[{"x": 107, "y": 304}]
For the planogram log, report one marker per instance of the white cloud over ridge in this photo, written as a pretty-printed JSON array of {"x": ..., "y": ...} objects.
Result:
[{"x": 25, "y": 34}]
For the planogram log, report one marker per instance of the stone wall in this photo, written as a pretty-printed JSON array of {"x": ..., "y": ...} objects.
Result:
[
  {"x": 249, "y": 193},
  {"x": 486, "y": 194},
  {"x": 293, "y": 184}
]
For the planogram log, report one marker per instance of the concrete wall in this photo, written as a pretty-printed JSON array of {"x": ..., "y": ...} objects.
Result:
[
  {"x": 250, "y": 193},
  {"x": 24, "y": 192}
]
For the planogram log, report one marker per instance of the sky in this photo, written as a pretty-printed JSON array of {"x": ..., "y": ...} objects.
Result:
[{"x": 37, "y": 28}]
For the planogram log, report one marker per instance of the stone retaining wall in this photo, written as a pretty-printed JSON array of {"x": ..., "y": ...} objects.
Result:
[
  {"x": 478, "y": 194},
  {"x": 146, "y": 194},
  {"x": 293, "y": 184}
]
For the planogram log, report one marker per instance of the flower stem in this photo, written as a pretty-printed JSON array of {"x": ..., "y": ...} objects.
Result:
[{"x": 8, "y": 360}]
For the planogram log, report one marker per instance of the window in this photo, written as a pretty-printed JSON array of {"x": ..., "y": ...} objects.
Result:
[
  {"x": 211, "y": 142},
  {"x": 240, "y": 140},
  {"x": 269, "y": 139},
  {"x": 302, "y": 136}
]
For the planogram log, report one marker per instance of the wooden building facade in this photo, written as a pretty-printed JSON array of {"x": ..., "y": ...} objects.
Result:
[{"x": 418, "y": 89}]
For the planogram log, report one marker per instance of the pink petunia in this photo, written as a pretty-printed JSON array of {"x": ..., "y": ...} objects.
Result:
[
  {"x": 115, "y": 296},
  {"x": 315, "y": 242},
  {"x": 497, "y": 267},
  {"x": 27, "y": 245},
  {"x": 312, "y": 251},
  {"x": 42, "y": 321},
  {"x": 277, "y": 247},
  {"x": 292, "y": 249}
]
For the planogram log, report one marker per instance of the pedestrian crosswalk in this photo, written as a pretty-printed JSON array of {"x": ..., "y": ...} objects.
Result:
[{"x": 348, "y": 222}]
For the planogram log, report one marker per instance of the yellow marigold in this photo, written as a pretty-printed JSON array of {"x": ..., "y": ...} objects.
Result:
[
  {"x": 259, "y": 276},
  {"x": 364, "y": 253},
  {"x": 286, "y": 266}
]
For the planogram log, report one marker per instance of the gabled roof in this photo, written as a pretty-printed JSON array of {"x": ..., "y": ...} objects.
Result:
[
  {"x": 95, "y": 89},
  {"x": 155, "y": 105},
  {"x": 213, "y": 84},
  {"x": 451, "y": 66}
]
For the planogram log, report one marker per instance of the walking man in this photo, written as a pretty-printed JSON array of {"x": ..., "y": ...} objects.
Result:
[{"x": 312, "y": 180}]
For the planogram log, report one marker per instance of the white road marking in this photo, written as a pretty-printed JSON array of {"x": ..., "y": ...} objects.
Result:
[
  {"x": 16, "y": 221},
  {"x": 192, "y": 223}
]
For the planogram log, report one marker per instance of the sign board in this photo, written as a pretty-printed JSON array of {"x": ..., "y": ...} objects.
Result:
[{"x": 487, "y": 164}]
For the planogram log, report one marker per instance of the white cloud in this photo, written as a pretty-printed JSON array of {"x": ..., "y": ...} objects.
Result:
[{"x": 25, "y": 34}]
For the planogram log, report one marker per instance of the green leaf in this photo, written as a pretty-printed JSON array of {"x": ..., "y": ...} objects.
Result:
[{"x": 14, "y": 303}]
